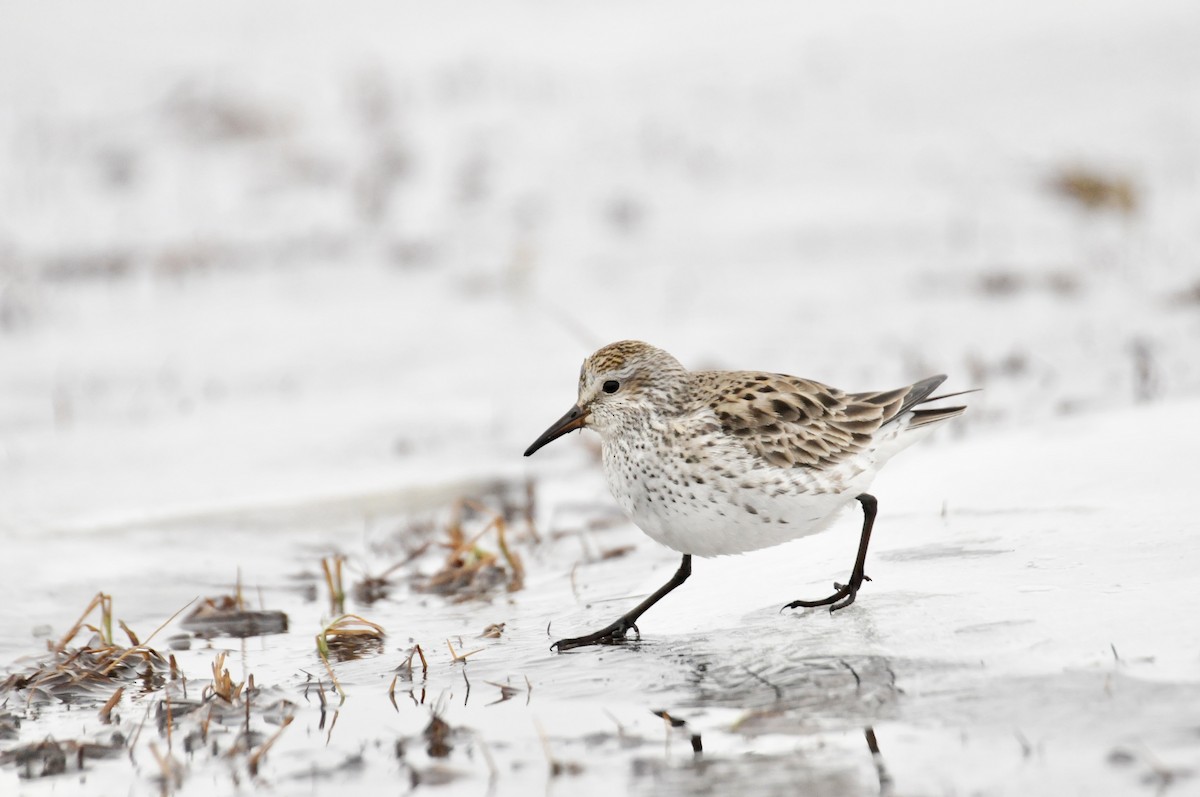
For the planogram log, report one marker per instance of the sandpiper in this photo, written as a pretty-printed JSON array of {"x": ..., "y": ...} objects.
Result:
[{"x": 722, "y": 462}]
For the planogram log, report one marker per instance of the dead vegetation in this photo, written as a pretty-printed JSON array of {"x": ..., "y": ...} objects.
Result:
[
  {"x": 227, "y": 720},
  {"x": 556, "y": 766},
  {"x": 51, "y": 757},
  {"x": 222, "y": 115},
  {"x": 346, "y": 638},
  {"x": 103, "y": 672},
  {"x": 227, "y": 615},
  {"x": 438, "y": 737},
  {"x": 10, "y": 725},
  {"x": 1004, "y": 283},
  {"x": 471, "y": 570},
  {"x": 350, "y": 637},
  {"x": 438, "y": 740},
  {"x": 508, "y": 691},
  {"x": 478, "y": 536},
  {"x": 331, "y": 567},
  {"x": 1096, "y": 191},
  {"x": 89, "y": 671},
  {"x": 167, "y": 724}
]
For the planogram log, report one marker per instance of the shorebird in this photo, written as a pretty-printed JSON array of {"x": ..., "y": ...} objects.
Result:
[{"x": 722, "y": 462}]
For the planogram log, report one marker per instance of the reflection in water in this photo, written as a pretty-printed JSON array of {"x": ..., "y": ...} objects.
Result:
[
  {"x": 885, "y": 780},
  {"x": 789, "y": 773},
  {"x": 818, "y": 709},
  {"x": 773, "y": 682},
  {"x": 681, "y": 725}
]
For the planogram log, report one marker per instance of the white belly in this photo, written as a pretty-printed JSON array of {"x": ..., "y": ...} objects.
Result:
[{"x": 693, "y": 509}]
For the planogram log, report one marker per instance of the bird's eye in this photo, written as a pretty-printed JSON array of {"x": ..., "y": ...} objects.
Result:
[{"x": 612, "y": 386}]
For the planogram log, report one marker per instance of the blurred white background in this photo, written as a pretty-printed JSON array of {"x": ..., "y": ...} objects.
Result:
[{"x": 275, "y": 251}]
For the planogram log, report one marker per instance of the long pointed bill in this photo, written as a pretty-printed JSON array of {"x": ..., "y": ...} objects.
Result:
[{"x": 573, "y": 420}]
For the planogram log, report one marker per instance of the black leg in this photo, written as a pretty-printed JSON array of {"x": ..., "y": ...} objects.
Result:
[
  {"x": 614, "y": 633},
  {"x": 844, "y": 594}
]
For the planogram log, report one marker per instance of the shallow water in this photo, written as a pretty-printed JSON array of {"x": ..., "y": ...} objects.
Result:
[{"x": 778, "y": 701}]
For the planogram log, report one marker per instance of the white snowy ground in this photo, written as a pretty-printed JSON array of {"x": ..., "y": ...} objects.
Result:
[{"x": 296, "y": 257}]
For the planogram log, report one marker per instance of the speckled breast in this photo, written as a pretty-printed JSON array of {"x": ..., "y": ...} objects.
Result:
[{"x": 722, "y": 502}]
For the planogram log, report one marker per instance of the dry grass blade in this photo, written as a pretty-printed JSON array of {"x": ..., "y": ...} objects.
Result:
[
  {"x": 258, "y": 754},
  {"x": 372, "y": 589},
  {"x": 348, "y": 637},
  {"x": 556, "y": 767},
  {"x": 516, "y": 568},
  {"x": 470, "y": 570},
  {"x": 332, "y": 567},
  {"x": 144, "y": 647},
  {"x": 223, "y": 685},
  {"x": 408, "y": 663},
  {"x": 105, "y": 603},
  {"x": 106, "y": 711},
  {"x": 507, "y": 691},
  {"x": 133, "y": 639},
  {"x": 530, "y": 509},
  {"x": 352, "y": 630},
  {"x": 460, "y": 656},
  {"x": 323, "y": 652},
  {"x": 170, "y": 770}
]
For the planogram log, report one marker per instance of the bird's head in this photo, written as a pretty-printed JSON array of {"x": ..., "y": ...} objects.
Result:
[{"x": 617, "y": 384}]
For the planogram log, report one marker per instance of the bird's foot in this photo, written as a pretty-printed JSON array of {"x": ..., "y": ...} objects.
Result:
[
  {"x": 842, "y": 597},
  {"x": 613, "y": 634}
]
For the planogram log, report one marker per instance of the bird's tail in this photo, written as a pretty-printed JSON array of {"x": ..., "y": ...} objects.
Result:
[{"x": 919, "y": 394}]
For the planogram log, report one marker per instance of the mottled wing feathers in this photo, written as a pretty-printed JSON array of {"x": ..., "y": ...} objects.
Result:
[{"x": 793, "y": 422}]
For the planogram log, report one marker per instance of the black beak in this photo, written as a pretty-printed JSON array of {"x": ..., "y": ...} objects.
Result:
[{"x": 573, "y": 420}]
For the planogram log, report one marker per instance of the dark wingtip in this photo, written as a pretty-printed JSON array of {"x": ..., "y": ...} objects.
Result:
[
  {"x": 920, "y": 391},
  {"x": 926, "y": 417}
]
